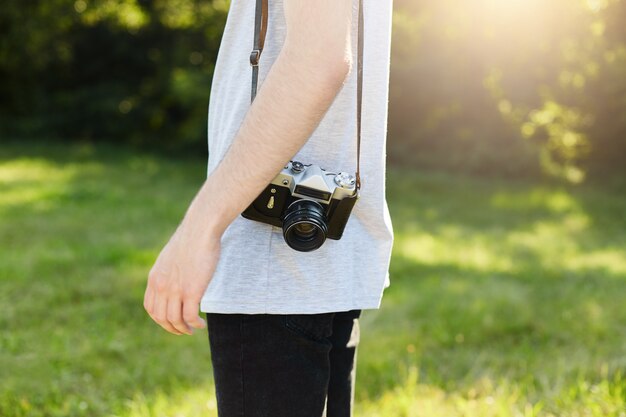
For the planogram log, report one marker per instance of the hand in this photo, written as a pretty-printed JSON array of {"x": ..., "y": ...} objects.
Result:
[{"x": 178, "y": 280}]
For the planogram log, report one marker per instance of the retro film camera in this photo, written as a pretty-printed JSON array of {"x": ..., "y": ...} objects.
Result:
[{"x": 310, "y": 203}]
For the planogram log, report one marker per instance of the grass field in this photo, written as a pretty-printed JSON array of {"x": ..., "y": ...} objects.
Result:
[{"x": 506, "y": 298}]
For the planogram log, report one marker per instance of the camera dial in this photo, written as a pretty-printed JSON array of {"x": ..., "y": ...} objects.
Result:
[
  {"x": 297, "y": 167},
  {"x": 345, "y": 180}
]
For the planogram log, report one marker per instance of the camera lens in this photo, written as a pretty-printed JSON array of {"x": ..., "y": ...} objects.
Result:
[
  {"x": 304, "y": 225},
  {"x": 305, "y": 230}
]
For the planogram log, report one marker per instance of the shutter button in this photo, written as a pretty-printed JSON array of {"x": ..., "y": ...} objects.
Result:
[{"x": 297, "y": 166}]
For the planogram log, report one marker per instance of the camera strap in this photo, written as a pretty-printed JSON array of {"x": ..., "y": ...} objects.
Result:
[{"x": 260, "y": 30}]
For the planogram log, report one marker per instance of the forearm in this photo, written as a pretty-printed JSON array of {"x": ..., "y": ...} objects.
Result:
[
  {"x": 294, "y": 97},
  {"x": 298, "y": 90}
]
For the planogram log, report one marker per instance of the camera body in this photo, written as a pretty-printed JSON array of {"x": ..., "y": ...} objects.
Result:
[{"x": 308, "y": 202}]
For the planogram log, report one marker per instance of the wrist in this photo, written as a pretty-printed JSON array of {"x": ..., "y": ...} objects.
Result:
[
  {"x": 199, "y": 231},
  {"x": 205, "y": 219}
]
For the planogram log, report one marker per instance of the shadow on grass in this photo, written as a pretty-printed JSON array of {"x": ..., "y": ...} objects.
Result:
[
  {"x": 80, "y": 229},
  {"x": 509, "y": 282}
]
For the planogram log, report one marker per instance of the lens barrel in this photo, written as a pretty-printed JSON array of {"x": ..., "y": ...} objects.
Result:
[{"x": 304, "y": 225}]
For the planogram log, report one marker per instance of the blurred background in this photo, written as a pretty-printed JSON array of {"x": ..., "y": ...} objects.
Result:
[
  {"x": 506, "y": 185},
  {"x": 513, "y": 87}
]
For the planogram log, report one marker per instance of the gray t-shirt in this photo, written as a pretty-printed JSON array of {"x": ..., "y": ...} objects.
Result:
[{"x": 257, "y": 271}]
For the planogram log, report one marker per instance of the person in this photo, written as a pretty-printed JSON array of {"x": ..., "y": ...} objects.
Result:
[{"x": 283, "y": 325}]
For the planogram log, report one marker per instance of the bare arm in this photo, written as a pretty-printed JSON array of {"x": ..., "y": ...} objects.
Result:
[
  {"x": 294, "y": 97},
  {"x": 298, "y": 90}
]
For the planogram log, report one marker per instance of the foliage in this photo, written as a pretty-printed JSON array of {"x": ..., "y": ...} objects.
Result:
[
  {"x": 506, "y": 298},
  {"x": 503, "y": 85},
  {"x": 506, "y": 87},
  {"x": 127, "y": 70}
]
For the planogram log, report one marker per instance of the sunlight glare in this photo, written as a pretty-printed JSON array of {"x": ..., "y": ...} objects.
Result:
[{"x": 597, "y": 5}]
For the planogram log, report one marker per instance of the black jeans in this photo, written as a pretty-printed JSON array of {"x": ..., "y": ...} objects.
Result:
[{"x": 284, "y": 365}]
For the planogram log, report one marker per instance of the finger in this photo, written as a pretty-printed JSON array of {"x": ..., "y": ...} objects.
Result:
[
  {"x": 160, "y": 313},
  {"x": 190, "y": 314},
  {"x": 148, "y": 300},
  {"x": 175, "y": 315}
]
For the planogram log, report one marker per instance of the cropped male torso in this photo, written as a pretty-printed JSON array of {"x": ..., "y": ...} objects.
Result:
[{"x": 257, "y": 271}]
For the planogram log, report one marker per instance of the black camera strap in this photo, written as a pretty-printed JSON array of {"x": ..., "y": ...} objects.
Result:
[{"x": 260, "y": 30}]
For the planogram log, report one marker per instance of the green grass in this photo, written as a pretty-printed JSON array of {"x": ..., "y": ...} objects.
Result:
[{"x": 506, "y": 298}]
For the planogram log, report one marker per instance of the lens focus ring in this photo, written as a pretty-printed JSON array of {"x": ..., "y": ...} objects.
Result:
[{"x": 304, "y": 225}]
